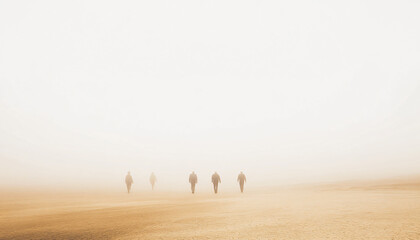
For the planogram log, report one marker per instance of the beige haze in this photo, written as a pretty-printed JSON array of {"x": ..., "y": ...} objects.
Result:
[
  {"x": 288, "y": 92},
  {"x": 317, "y": 102}
]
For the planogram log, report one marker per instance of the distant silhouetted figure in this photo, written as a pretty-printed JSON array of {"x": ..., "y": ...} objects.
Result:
[
  {"x": 215, "y": 178},
  {"x": 128, "y": 181},
  {"x": 193, "y": 181},
  {"x": 153, "y": 180},
  {"x": 241, "y": 180}
]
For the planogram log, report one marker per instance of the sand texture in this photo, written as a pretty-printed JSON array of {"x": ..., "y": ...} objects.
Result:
[{"x": 381, "y": 212}]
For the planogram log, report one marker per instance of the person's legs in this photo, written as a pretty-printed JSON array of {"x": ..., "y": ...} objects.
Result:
[
  {"x": 242, "y": 187},
  {"x": 128, "y": 188},
  {"x": 192, "y": 188},
  {"x": 215, "y": 185}
]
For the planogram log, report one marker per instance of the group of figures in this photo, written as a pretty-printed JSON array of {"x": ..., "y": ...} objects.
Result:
[
  {"x": 129, "y": 181},
  {"x": 193, "y": 179}
]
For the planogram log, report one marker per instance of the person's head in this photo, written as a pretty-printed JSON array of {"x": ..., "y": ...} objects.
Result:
[
  {"x": 128, "y": 173},
  {"x": 193, "y": 172},
  {"x": 242, "y": 172}
]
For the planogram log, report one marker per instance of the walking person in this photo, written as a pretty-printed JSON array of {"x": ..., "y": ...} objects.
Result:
[
  {"x": 215, "y": 178},
  {"x": 128, "y": 181},
  {"x": 241, "y": 180},
  {"x": 193, "y": 181},
  {"x": 153, "y": 180}
]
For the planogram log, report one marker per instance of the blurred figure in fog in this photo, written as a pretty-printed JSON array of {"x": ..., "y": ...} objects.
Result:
[
  {"x": 128, "y": 181},
  {"x": 153, "y": 180},
  {"x": 193, "y": 181},
  {"x": 215, "y": 178},
  {"x": 241, "y": 180}
]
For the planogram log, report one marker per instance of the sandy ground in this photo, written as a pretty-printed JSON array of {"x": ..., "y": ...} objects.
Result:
[{"x": 328, "y": 212}]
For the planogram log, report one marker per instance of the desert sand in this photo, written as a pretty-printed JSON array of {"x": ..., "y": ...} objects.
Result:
[{"x": 390, "y": 211}]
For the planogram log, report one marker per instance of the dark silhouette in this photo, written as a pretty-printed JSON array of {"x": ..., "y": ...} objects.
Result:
[
  {"x": 215, "y": 178},
  {"x": 241, "y": 180},
  {"x": 128, "y": 181},
  {"x": 193, "y": 181},
  {"x": 153, "y": 180}
]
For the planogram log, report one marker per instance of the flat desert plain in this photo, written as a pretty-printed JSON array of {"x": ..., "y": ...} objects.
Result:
[{"x": 387, "y": 211}]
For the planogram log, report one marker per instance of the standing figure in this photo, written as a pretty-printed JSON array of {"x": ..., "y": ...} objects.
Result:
[
  {"x": 153, "y": 180},
  {"x": 215, "y": 178},
  {"x": 241, "y": 180},
  {"x": 128, "y": 181},
  {"x": 193, "y": 181}
]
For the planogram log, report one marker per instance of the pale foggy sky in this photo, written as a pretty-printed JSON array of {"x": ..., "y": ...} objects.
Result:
[{"x": 288, "y": 91}]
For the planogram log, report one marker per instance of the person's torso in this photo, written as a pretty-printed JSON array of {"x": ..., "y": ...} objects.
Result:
[
  {"x": 128, "y": 179},
  {"x": 215, "y": 178},
  {"x": 193, "y": 178}
]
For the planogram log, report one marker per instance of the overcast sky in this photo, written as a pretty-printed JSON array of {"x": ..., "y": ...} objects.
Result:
[{"x": 287, "y": 91}]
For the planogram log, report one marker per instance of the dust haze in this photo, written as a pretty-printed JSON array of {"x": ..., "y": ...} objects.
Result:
[
  {"x": 291, "y": 93},
  {"x": 287, "y": 92}
]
